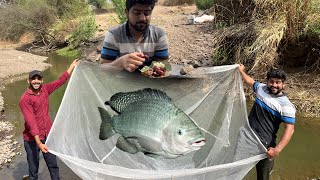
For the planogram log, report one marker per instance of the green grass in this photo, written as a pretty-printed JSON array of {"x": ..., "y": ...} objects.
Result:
[{"x": 74, "y": 53}]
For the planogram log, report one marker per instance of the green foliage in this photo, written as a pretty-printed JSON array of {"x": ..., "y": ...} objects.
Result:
[
  {"x": 34, "y": 16},
  {"x": 177, "y": 2},
  {"x": 315, "y": 5},
  {"x": 313, "y": 26},
  {"x": 86, "y": 30},
  {"x": 313, "y": 21},
  {"x": 69, "y": 8},
  {"x": 98, "y": 3},
  {"x": 219, "y": 55},
  {"x": 68, "y": 52},
  {"x": 204, "y": 4},
  {"x": 220, "y": 24},
  {"x": 119, "y": 7}
]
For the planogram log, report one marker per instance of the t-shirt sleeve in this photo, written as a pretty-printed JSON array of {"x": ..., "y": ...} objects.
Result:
[
  {"x": 161, "y": 49},
  {"x": 288, "y": 114},
  {"x": 110, "y": 48},
  {"x": 256, "y": 86}
]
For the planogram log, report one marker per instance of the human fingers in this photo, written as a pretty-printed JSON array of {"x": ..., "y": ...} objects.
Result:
[
  {"x": 76, "y": 62},
  {"x": 241, "y": 67},
  {"x": 133, "y": 62},
  {"x": 144, "y": 56},
  {"x": 130, "y": 67},
  {"x": 44, "y": 148},
  {"x": 137, "y": 57}
]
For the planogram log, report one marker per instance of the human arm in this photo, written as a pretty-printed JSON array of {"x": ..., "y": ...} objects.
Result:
[
  {"x": 72, "y": 65},
  {"x": 52, "y": 86},
  {"x": 28, "y": 115},
  {"x": 247, "y": 79},
  {"x": 42, "y": 146},
  {"x": 130, "y": 62},
  {"x": 287, "y": 134}
]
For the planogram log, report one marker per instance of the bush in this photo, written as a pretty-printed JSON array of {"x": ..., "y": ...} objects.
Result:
[
  {"x": 119, "y": 7},
  {"x": 97, "y": 3},
  {"x": 32, "y": 16},
  {"x": 313, "y": 21},
  {"x": 70, "y": 9},
  {"x": 86, "y": 29},
  {"x": 204, "y": 4}
]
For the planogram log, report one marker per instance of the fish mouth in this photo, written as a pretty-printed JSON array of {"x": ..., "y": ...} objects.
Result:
[{"x": 198, "y": 142}]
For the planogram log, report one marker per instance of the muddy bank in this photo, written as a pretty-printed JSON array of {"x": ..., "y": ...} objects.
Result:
[{"x": 13, "y": 66}]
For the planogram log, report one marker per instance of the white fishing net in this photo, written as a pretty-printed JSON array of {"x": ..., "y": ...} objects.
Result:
[{"x": 213, "y": 97}]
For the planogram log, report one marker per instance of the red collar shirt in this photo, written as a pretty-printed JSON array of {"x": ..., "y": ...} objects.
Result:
[{"x": 35, "y": 109}]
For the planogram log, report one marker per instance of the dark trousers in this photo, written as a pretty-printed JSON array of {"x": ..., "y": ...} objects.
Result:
[
  {"x": 32, "y": 151},
  {"x": 264, "y": 168}
]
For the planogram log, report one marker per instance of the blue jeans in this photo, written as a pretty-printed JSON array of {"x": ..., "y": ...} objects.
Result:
[{"x": 32, "y": 151}]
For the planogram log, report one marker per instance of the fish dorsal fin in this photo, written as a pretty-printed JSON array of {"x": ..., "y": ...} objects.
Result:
[{"x": 121, "y": 100}]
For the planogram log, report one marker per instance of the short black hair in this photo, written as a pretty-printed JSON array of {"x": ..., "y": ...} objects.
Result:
[
  {"x": 130, "y": 3},
  {"x": 276, "y": 73}
]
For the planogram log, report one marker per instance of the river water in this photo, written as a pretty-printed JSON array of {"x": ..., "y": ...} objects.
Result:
[{"x": 299, "y": 160}]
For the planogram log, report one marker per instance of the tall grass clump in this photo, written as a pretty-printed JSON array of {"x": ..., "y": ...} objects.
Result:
[
  {"x": 313, "y": 21},
  {"x": 267, "y": 28},
  {"x": 119, "y": 7},
  {"x": 204, "y": 4},
  {"x": 177, "y": 2}
]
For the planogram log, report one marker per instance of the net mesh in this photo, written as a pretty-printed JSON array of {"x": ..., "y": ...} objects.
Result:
[{"x": 212, "y": 96}]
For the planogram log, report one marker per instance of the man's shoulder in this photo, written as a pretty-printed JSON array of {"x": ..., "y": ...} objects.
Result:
[
  {"x": 259, "y": 87},
  {"x": 117, "y": 29},
  {"x": 156, "y": 29},
  {"x": 25, "y": 96},
  {"x": 285, "y": 102}
]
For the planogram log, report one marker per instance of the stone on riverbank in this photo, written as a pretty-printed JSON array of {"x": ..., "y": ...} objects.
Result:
[{"x": 8, "y": 146}]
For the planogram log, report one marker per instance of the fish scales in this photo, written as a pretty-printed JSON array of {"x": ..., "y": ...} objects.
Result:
[
  {"x": 120, "y": 101},
  {"x": 144, "y": 115}
]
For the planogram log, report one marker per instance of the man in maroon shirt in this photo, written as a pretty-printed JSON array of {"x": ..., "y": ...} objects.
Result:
[{"x": 34, "y": 105}]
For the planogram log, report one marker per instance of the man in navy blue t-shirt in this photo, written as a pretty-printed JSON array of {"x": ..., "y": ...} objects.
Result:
[{"x": 270, "y": 109}]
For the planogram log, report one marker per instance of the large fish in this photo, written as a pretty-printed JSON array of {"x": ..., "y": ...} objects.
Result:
[{"x": 149, "y": 122}]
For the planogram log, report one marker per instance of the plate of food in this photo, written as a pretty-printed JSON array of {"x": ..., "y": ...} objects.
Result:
[{"x": 156, "y": 70}]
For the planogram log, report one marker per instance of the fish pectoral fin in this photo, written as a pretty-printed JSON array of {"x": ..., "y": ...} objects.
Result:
[
  {"x": 153, "y": 155},
  {"x": 124, "y": 145},
  {"x": 106, "y": 129},
  {"x": 161, "y": 155}
]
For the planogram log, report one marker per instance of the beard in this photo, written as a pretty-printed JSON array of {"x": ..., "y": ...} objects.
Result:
[
  {"x": 274, "y": 90},
  {"x": 139, "y": 26}
]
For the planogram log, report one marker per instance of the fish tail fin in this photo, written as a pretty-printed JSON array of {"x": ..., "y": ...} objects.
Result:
[{"x": 106, "y": 129}]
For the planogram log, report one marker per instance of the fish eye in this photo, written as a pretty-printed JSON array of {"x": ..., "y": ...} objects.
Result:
[{"x": 179, "y": 132}]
